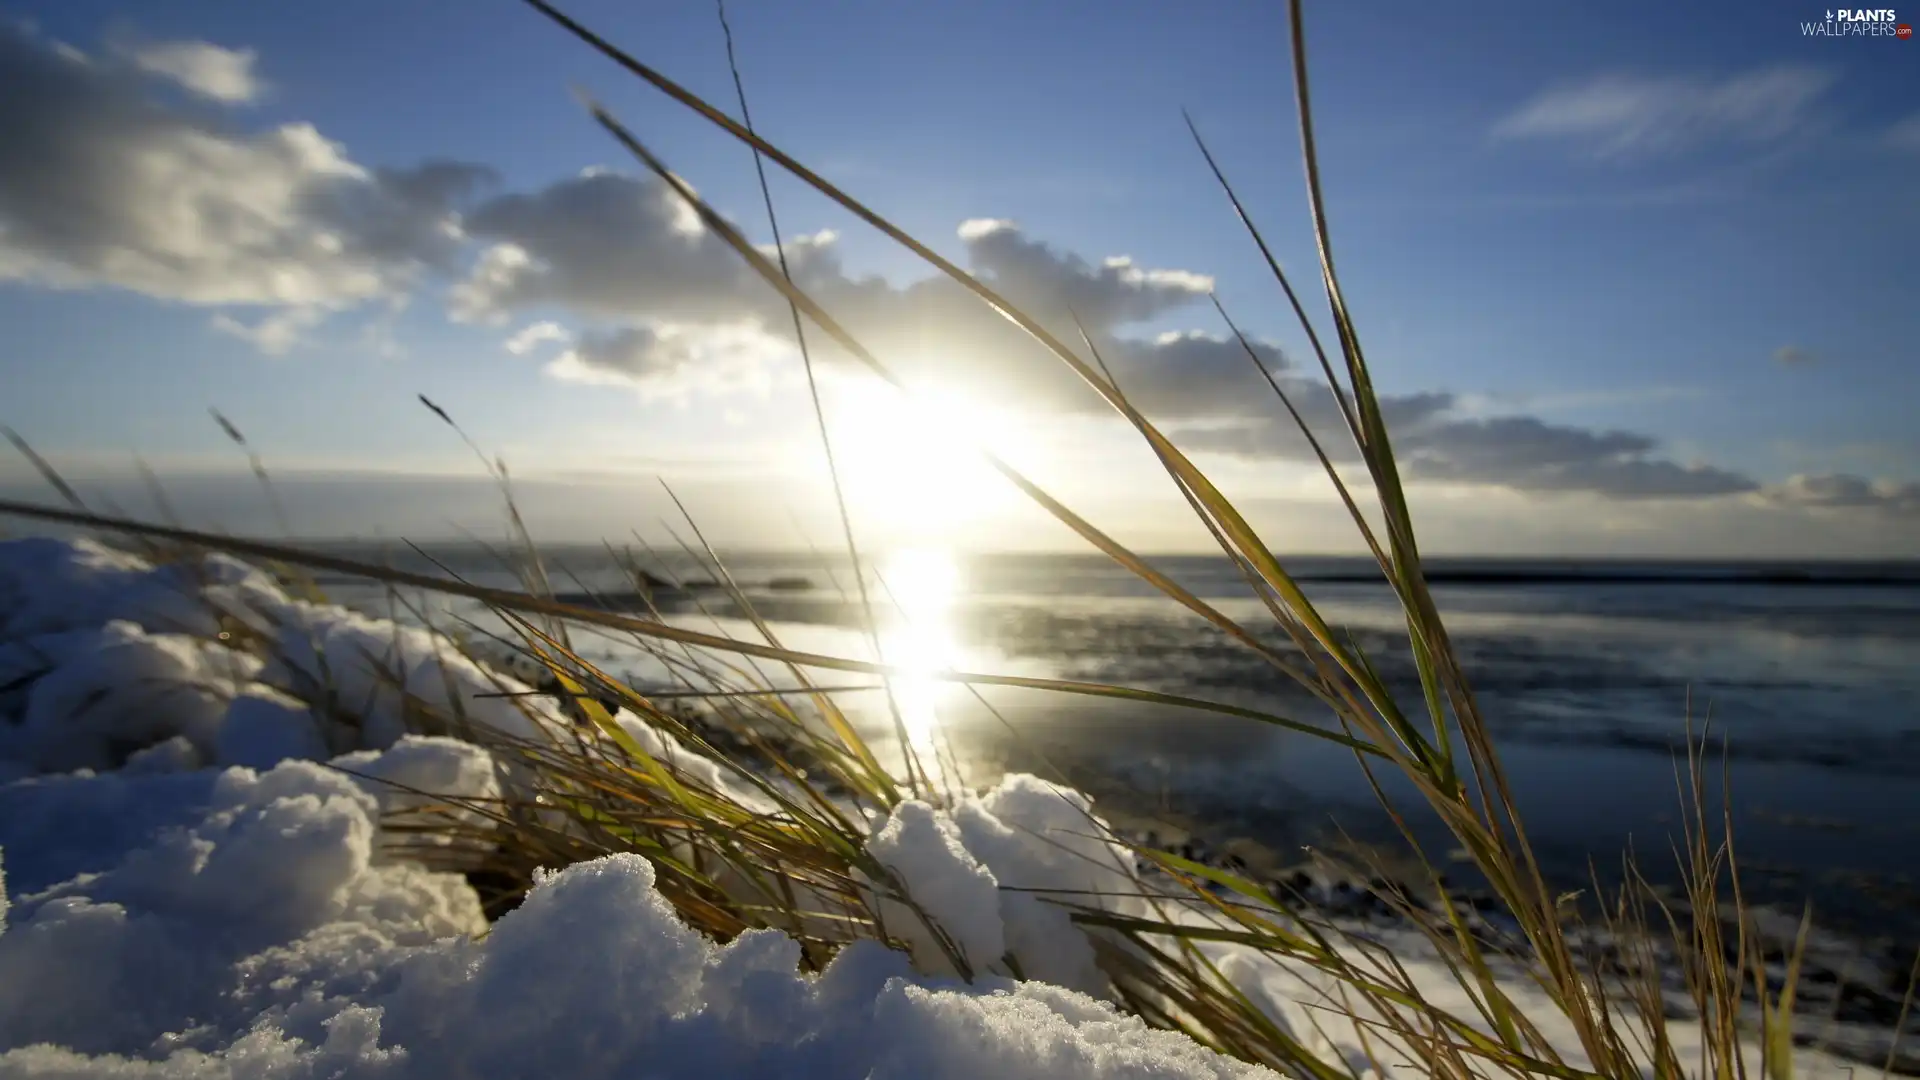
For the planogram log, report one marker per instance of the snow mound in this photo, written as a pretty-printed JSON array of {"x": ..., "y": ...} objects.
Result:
[
  {"x": 993, "y": 872},
  {"x": 263, "y": 939},
  {"x": 106, "y": 660},
  {"x": 213, "y": 919}
]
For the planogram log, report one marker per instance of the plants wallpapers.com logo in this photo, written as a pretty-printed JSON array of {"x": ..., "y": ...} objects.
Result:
[{"x": 1859, "y": 22}]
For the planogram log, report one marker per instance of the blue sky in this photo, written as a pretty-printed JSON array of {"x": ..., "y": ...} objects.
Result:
[{"x": 1639, "y": 278}]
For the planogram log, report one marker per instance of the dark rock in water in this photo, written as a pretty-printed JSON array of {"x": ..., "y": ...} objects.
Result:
[
  {"x": 650, "y": 586},
  {"x": 791, "y": 584},
  {"x": 608, "y": 601},
  {"x": 699, "y": 583},
  {"x": 646, "y": 581}
]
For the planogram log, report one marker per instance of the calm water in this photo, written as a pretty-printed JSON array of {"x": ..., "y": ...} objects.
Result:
[{"x": 1585, "y": 671}]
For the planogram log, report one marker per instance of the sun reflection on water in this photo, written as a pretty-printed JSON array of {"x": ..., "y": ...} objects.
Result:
[{"x": 918, "y": 589}]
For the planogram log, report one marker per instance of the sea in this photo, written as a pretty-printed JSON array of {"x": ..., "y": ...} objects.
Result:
[{"x": 1798, "y": 684}]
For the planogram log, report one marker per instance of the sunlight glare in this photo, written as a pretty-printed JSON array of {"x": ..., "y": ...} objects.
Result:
[
  {"x": 919, "y": 586},
  {"x": 908, "y": 465}
]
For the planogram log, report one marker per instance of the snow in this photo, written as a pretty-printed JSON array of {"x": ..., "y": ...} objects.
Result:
[
  {"x": 267, "y": 939},
  {"x": 264, "y": 727},
  {"x": 199, "y": 880},
  {"x": 121, "y": 686},
  {"x": 922, "y": 847},
  {"x": 422, "y": 772},
  {"x": 198, "y": 923},
  {"x": 1036, "y": 836}
]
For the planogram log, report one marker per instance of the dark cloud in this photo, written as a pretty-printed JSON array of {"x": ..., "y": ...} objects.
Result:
[
  {"x": 635, "y": 351},
  {"x": 1194, "y": 374},
  {"x": 669, "y": 359},
  {"x": 1262, "y": 429},
  {"x": 1522, "y": 453},
  {"x": 1115, "y": 293},
  {"x": 403, "y": 216},
  {"x": 1528, "y": 454},
  {"x": 607, "y": 245}
]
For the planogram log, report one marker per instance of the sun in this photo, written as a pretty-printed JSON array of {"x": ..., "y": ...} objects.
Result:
[{"x": 908, "y": 463}]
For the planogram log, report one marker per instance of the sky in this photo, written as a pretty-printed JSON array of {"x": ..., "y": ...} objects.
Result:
[{"x": 1633, "y": 279}]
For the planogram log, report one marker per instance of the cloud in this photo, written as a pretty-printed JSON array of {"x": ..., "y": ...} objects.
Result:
[
  {"x": 1114, "y": 293},
  {"x": 1526, "y": 454},
  {"x": 1904, "y": 135},
  {"x": 602, "y": 244},
  {"x": 673, "y": 359},
  {"x": 273, "y": 334},
  {"x": 104, "y": 185},
  {"x": 1619, "y": 116},
  {"x": 619, "y": 249},
  {"x": 534, "y": 335},
  {"x": 223, "y": 75},
  {"x": 1844, "y": 491},
  {"x": 1182, "y": 374},
  {"x": 1433, "y": 441},
  {"x": 1793, "y": 356},
  {"x": 690, "y": 317}
]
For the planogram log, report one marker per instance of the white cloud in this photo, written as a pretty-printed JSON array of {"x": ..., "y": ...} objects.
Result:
[
  {"x": 224, "y": 75},
  {"x": 101, "y": 185},
  {"x": 975, "y": 228},
  {"x": 800, "y": 246},
  {"x": 534, "y": 335},
  {"x": 1904, "y": 135},
  {"x": 273, "y": 334},
  {"x": 1634, "y": 115}
]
